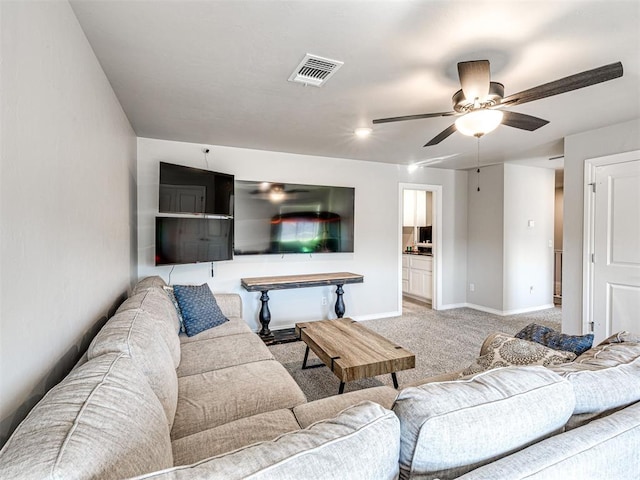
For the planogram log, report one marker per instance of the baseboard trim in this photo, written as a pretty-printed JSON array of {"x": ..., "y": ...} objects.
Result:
[
  {"x": 375, "y": 316},
  {"x": 451, "y": 306},
  {"x": 504, "y": 313},
  {"x": 530, "y": 309}
]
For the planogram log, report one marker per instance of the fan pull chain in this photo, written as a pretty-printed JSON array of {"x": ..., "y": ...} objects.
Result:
[{"x": 478, "y": 161}]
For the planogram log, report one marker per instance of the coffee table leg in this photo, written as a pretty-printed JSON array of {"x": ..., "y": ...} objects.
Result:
[
  {"x": 395, "y": 380},
  {"x": 304, "y": 362},
  {"x": 341, "y": 389}
]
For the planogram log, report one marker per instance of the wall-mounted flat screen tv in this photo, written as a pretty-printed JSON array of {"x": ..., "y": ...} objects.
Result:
[
  {"x": 193, "y": 190},
  {"x": 277, "y": 218},
  {"x": 181, "y": 240}
]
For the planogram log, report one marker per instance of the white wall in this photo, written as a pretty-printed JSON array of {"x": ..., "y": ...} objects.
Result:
[
  {"x": 506, "y": 257},
  {"x": 486, "y": 237},
  {"x": 619, "y": 138},
  {"x": 529, "y": 194},
  {"x": 377, "y": 234},
  {"x": 558, "y": 218},
  {"x": 68, "y": 201}
]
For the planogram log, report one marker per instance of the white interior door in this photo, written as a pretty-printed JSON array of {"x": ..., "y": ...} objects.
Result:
[{"x": 616, "y": 242}]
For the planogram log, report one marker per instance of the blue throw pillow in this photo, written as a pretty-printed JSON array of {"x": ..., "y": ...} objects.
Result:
[
  {"x": 551, "y": 338},
  {"x": 199, "y": 308}
]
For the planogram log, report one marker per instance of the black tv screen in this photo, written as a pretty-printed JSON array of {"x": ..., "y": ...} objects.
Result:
[
  {"x": 181, "y": 240},
  {"x": 277, "y": 218},
  {"x": 192, "y": 190}
]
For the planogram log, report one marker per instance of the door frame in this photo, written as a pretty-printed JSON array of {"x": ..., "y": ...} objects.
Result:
[
  {"x": 436, "y": 192},
  {"x": 588, "y": 238}
]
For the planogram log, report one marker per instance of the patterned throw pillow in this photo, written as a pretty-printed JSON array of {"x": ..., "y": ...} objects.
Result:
[
  {"x": 199, "y": 308},
  {"x": 505, "y": 351},
  {"x": 172, "y": 297},
  {"x": 551, "y": 338}
]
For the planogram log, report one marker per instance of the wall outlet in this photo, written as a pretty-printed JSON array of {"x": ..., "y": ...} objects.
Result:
[
  {"x": 324, "y": 301},
  {"x": 531, "y": 289},
  {"x": 472, "y": 287}
]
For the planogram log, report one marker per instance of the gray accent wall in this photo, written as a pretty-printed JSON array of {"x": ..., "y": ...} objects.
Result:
[{"x": 68, "y": 202}]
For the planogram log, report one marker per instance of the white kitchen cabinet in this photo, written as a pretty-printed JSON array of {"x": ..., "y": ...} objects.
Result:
[
  {"x": 414, "y": 208},
  {"x": 419, "y": 276},
  {"x": 405, "y": 273}
]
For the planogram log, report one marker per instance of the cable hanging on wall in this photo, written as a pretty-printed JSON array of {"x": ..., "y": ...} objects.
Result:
[{"x": 206, "y": 151}]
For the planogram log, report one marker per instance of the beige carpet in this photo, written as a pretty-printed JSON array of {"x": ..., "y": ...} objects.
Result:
[{"x": 442, "y": 341}]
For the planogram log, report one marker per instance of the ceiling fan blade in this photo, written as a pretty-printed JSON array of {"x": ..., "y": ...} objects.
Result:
[
  {"x": 522, "y": 121},
  {"x": 566, "y": 84},
  {"x": 441, "y": 136},
  {"x": 413, "y": 117},
  {"x": 475, "y": 77}
]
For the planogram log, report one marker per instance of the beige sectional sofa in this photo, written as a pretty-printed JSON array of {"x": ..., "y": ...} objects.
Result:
[{"x": 150, "y": 402}]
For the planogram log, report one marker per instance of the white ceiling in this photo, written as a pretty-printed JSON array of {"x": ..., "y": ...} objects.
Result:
[{"x": 215, "y": 72}]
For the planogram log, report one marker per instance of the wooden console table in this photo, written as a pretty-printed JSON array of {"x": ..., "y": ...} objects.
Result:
[{"x": 264, "y": 284}]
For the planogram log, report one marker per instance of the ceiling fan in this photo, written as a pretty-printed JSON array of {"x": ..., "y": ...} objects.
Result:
[
  {"x": 480, "y": 102},
  {"x": 276, "y": 192}
]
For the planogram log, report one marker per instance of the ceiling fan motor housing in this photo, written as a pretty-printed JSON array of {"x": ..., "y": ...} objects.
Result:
[{"x": 464, "y": 105}]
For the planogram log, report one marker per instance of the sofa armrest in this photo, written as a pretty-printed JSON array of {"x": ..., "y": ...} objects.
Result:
[{"x": 230, "y": 304}]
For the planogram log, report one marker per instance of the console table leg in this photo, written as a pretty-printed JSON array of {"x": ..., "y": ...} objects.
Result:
[
  {"x": 339, "y": 302},
  {"x": 265, "y": 315}
]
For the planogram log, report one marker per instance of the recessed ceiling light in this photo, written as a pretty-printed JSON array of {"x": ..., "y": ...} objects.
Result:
[{"x": 362, "y": 132}]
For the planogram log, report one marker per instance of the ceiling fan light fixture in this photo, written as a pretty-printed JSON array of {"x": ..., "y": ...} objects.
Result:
[
  {"x": 479, "y": 122},
  {"x": 362, "y": 132}
]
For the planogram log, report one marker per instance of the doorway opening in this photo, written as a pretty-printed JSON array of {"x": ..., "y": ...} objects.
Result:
[{"x": 420, "y": 239}]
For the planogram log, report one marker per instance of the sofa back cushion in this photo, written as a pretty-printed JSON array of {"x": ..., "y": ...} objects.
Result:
[
  {"x": 101, "y": 422},
  {"x": 148, "y": 282},
  {"x": 136, "y": 334},
  {"x": 605, "y": 448},
  {"x": 156, "y": 302},
  {"x": 361, "y": 443},
  {"x": 449, "y": 428},
  {"x": 606, "y": 377}
]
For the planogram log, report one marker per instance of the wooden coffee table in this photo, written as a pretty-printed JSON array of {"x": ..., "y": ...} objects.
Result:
[{"x": 352, "y": 351}]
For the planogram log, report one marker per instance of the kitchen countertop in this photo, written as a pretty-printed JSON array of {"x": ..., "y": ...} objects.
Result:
[{"x": 424, "y": 254}]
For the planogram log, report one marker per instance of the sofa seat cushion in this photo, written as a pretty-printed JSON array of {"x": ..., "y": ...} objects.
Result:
[
  {"x": 604, "y": 378},
  {"x": 136, "y": 334},
  {"x": 233, "y": 435},
  {"x": 605, "y": 448},
  {"x": 234, "y": 326},
  {"x": 214, "y": 398},
  {"x": 449, "y": 428},
  {"x": 157, "y": 304},
  {"x": 329, "y": 407},
  {"x": 221, "y": 352},
  {"x": 102, "y": 422},
  {"x": 359, "y": 444}
]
